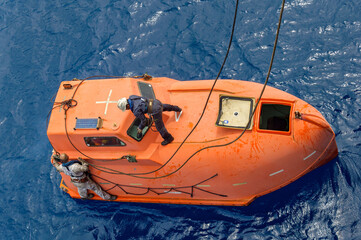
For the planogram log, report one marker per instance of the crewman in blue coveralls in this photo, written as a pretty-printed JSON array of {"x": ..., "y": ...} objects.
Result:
[{"x": 140, "y": 106}]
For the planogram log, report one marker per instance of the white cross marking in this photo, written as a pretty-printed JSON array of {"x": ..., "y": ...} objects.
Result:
[{"x": 107, "y": 102}]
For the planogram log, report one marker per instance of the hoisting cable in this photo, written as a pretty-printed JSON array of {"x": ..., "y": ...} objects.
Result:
[{"x": 220, "y": 145}]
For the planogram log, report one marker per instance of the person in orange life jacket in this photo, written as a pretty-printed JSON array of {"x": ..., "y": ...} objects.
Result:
[
  {"x": 140, "y": 106},
  {"x": 77, "y": 170}
]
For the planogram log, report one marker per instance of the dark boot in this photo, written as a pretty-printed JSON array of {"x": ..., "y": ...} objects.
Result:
[{"x": 169, "y": 140}]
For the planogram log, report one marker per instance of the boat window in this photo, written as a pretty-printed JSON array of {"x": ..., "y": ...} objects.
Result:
[
  {"x": 103, "y": 142},
  {"x": 275, "y": 117}
]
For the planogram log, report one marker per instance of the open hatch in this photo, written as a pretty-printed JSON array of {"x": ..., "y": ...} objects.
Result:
[
  {"x": 235, "y": 112},
  {"x": 275, "y": 117}
]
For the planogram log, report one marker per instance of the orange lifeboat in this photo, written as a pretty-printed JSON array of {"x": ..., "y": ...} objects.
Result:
[{"x": 237, "y": 152}]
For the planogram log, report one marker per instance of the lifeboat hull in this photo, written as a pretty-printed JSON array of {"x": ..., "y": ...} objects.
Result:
[{"x": 223, "y": 160}]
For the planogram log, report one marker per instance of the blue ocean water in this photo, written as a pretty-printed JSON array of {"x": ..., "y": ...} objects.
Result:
[{"x": 318, "y": 59}]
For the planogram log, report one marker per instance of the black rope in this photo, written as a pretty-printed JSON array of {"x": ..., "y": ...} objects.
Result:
[
  {"x": 221, "y": 195},
  {"x": 168, "y": 190},
  {"x": 65, "y": 105}
]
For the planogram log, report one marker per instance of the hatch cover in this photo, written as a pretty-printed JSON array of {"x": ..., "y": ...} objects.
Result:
[
  {"x": 234, "y": 112},
  {"x": 146, "y": 90}
]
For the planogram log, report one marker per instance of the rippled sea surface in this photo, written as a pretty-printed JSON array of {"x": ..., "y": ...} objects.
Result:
[{"x": 318, "y": 59}]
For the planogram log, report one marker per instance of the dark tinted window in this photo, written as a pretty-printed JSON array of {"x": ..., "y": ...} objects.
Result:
[
  {"x": 275, "y": 117},
  {"x": 103, "y": 142}
]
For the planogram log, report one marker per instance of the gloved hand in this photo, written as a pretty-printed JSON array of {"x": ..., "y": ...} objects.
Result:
[{"x": 139, "y": 133}]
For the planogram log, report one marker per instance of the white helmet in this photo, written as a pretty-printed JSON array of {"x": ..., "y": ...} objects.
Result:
[{"x": 122, "y": 104}]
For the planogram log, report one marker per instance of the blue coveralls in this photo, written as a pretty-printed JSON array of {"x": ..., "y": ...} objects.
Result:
[{"x": 139, "y": 106}]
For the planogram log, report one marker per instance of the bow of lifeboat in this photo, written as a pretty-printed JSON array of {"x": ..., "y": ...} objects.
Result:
[{"x": 220, "y": 163}]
